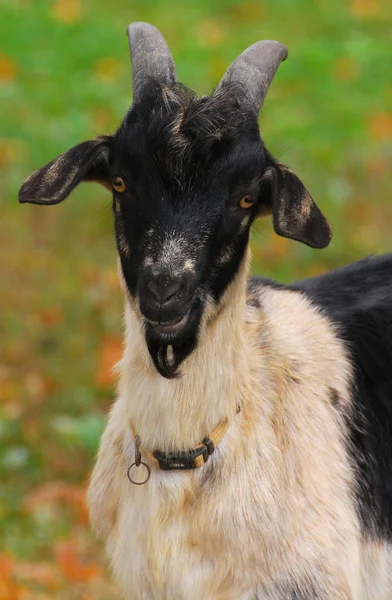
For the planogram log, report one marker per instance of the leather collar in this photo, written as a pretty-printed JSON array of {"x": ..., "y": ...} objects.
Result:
[{"x": 190, "y": 459}]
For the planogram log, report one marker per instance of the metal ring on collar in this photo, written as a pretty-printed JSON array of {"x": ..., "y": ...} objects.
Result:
[{"x": 148, "y": 475}]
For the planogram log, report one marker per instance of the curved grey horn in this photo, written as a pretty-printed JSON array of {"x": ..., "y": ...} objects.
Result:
[
  {"x": 150, "y": 56},
  {"x": 255, "y": 69}
]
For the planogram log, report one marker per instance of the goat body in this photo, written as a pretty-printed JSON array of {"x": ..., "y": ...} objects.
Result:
[
  {"x": 291, "y": 505},
  {"x": 296, "y": 500}
]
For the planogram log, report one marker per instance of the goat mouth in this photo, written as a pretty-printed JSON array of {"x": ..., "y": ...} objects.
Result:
[{"x": 167, "y": 327}]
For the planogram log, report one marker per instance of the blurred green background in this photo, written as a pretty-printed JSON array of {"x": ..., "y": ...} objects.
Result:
[{"x": 65, "y": 77}]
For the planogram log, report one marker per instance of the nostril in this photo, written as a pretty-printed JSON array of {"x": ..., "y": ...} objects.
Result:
[{"x": 164, "y": 291}]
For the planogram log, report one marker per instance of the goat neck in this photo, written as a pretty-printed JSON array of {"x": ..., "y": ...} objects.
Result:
[{"x": 177, "y": 414}]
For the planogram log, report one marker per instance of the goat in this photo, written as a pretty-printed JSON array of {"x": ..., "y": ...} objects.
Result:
[{"x": 255, "y": 418}]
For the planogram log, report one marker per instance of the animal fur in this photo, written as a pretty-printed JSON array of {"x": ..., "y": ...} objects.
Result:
[{"x": 272, "y": 515}]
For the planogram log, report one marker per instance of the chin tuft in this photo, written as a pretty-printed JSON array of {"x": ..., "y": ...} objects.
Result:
[{"x": 167, "y": 356}]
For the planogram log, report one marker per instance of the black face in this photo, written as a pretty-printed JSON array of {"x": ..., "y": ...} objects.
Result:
[{"x": 187, "y": 173}]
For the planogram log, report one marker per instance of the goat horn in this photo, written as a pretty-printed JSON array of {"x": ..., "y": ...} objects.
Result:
[
  {"x": 254, "y": 69},
  {"x": 150, "y": 56}
]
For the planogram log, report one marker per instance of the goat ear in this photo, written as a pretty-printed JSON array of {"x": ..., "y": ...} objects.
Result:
[
  {"x": 52, "y": 183},
  {"x": 295, "y": 215}
]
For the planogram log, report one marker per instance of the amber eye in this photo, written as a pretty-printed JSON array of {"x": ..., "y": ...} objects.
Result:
[
  {"x": 118, "y": 184},
  {"x": 246, "y": 202}
]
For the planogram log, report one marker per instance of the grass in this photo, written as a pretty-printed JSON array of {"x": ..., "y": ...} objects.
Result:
[{"x": 65, "y": 77}]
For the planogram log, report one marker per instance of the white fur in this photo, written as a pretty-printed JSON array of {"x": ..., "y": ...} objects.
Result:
[{"x": 274, "y": 506}]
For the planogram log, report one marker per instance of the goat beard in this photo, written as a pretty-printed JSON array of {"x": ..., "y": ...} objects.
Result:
[{"x": 167, "y": 355}]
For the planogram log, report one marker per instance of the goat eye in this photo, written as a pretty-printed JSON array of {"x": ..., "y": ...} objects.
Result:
[
  {"x": 246, "y": 202},
  {"x": 118, "y": 184}
]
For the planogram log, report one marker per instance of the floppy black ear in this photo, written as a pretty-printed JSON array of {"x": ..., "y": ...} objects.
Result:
[
  {"x": 295, "y": 215},
  {"x": 52, "y": 183}
]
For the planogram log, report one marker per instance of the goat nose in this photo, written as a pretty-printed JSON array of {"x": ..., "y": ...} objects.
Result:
[{"x": 164, "y": 290}]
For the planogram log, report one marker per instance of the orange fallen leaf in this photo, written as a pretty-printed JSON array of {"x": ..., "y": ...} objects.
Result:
[
  {"x": 8, "y": 390},
  {"x": 365, "y": 9},
  {"x": 66, "y": 11},
  {"x": 6, "y": 564},
  {"x": 9, "y": 588},
  {"x": 72, "y": 566},
  {"x": 50, "y": 315},
  {"x": 110, "y": 353},
  {"x": 380, "y": 126},
  {"x": 56, "y": 492},
  {"x": 44, "y": 574},
  {"x": 8, "y": 68}
]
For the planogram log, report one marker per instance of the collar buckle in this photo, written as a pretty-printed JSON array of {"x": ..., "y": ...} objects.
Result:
[{"x": 191, "y": 459}]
